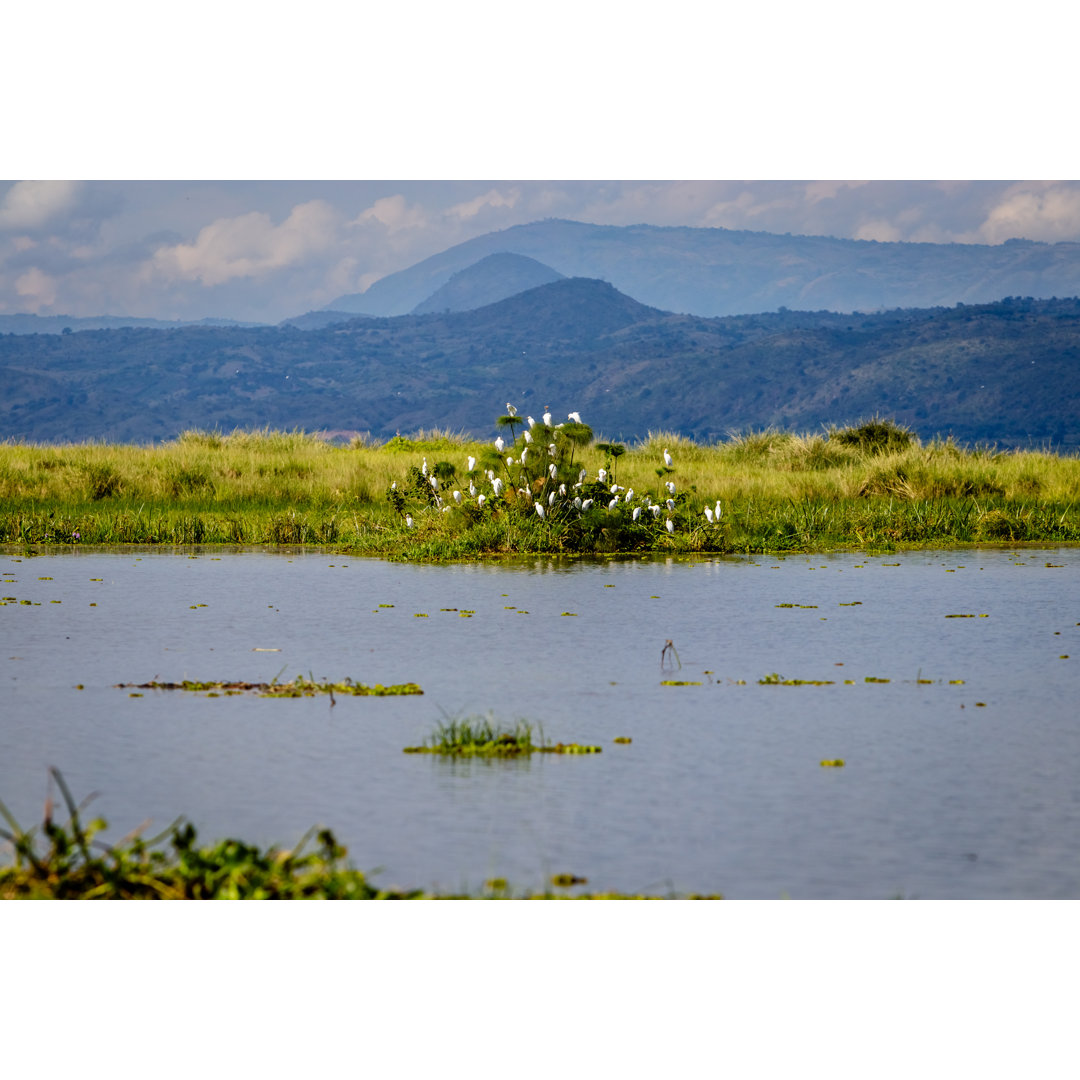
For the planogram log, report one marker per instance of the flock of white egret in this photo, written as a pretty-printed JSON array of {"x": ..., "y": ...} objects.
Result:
[{"x": 555, "y": 490}]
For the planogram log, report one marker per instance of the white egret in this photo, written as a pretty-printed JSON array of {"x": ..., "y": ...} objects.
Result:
[
  {"x": 499, "y": 444},
  {"x": 708, "y": 515},
  {"x": 472, "y": 464},
  {"x": 434, "y": 480},
  {"x": 409, "y": 523},
  {"x": 716, "y": 511},
  {"x": 528, "y": 436},
  {"x": 615, "y": 489},
  {"x": 577, "y": 501},
  {"x": 472, "y": 489},
  {"x": 547, "y": 416},
  {"x": 423, "y": 468},
  {"x": 629, "y": 494},
  {"x": 655, "y": 510},
  {"x": 670, "y": 504},
  {"x": 531, "y": 422},
  {"x": 602, "y": 475},
  {"x": 586, "y": 504},
  {"x": 581, "y": 476},
  {"x": 524, "y": 454},
  {"x": 562, "y": 489},
  {"x": 551, "y": 499},
  {"x": 667, "y": 458},
  {"x": 576, "y": 417},
  {"x": 509, "y": 461},
  {"x": 669, "y": 526},
  {"x": 480, "y": 500},
  {"x": 393, "y": 486},
  {"x": 670, "y": 485},
  {"x": 540, "y": 510},
  {"x": 552, "y": 470},
  {"x": 637, "y": 512},
  {"x": 614, "y": 502},
  {"x": 457, "y": 497},
  {"x": 497, "y": 485},
  {"x": 551, "y": 449},
  {"x": 511, "y": 411}
]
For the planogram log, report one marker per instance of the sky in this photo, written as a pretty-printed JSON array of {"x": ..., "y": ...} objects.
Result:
[
  {"x": 268, "y": 250},
  {"x": 399, "y": 111}
]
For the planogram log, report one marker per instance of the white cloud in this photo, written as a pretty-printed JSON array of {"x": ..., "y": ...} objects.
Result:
[
  {"x": 37, "y": 289},
  {"x": 250, "y": 245},
  {"x": 494, "y": 199},
  {"x": 1035, "y": 211},
  {"x": 878, "y": 230},
  {"x": 394, "y": 213},
  {"x": 30, "y": 204}
]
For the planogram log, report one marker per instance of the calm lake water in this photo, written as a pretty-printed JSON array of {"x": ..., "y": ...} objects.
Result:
[{"x": 951, "y": 789}]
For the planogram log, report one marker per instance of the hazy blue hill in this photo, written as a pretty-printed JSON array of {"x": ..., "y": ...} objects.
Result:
[
  {"x": 722, "y": 272},
  {"x": 493, "y": 278},
  {"x": 1006, "y": 372},
  {"x": 318, "y": 320},
  {"x": 57, "y": 324}
]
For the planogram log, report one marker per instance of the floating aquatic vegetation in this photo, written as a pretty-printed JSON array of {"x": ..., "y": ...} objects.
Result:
[
  {"x": 874, "y": 679},
  {"x": 834, "y": 763},
  {"x": 478, "y": 736},
  {"x": 776, "y": 679},
  {"x": 299, "y": 687},
  {"x": 796, "y": 605},
  {"x": 678, "y": 682},
  {"x": 565, "y": 881},
  {"x": 622, "y": 740}
]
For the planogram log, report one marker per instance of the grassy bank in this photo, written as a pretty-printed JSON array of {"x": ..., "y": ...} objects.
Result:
[{"x": 873, "y": 486}]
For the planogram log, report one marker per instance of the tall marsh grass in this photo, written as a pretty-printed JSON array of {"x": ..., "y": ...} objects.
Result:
[{"x": 779, "y": 491}]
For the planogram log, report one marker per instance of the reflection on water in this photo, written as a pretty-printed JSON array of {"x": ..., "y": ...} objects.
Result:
[{"x": 960, "y": 777}]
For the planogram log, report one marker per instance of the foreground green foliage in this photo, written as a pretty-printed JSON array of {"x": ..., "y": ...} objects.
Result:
[
  {"x": 874, "y": 485},
  {"x": 66, "y": 861}
]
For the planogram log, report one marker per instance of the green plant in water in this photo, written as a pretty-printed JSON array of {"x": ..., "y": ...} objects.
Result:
[{"x": 480, "y": 736}]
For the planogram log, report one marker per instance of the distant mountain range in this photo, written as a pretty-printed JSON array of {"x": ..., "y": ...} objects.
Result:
[
  {"x": 715, "y": 272},
  {"x": 61, "y": 324},
  {"x": 1006, "y": 372}
]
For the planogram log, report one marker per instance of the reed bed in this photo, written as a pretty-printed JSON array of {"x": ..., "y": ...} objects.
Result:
[{"x": 779, "y": 491}]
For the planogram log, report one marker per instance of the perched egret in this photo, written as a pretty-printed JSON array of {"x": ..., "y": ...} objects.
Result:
[
  {"x": 547, "y": 416},
  {"x": 667, "y": 458},
  {"x": 528, "y": 436},
  {"x": 472, "y": 489},
  {"x": 615, "y": 489},
  {"x": 480, "y": 500},
  {"x": 499, "y": 444},
  {"x": 562, "y": 489},
  {"x": 457, "y": 497},
  {"x": 409, "y": 523},
  {"x": 496, "y": 485},
  {"x": 637, "y": 512},
  {"x": 423, "y": 468},
  {"x": 576, "y": 417},
  {"x": 670, "y": 504},
  {"x": 393, "y": 486},
  {"x": 509, "y": 461},
  {"x": 669, "y": 525},
  {"x": 671, "y": 487},
  {"x": 602, "y": 475},
  {"x": 581, "y": 476},
  {"x": 716, "y": 510},
  {"x": 586, "y": 504},
  {"x": 539, "y": 510},
  {"x": 708, "y": 515},
  {"x": 530, "y": 421},
  {"x": 434, "y": 483},
  {"x": 551, "y": 499},
  {"x": 655, "y": 510},
  {"x": 524, "y": 454},
  {"x": 491, "y": 475},
  {"x": 510, "y": 410},
  {"x": 614, "y": 502},
  {"x": 629, "y": 494},
  {"x": 472, "y": 464},
  {"x": 552, "y": 470},
  {"x": 577, "y": 501}
]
